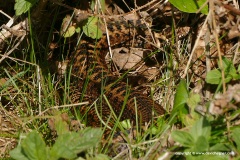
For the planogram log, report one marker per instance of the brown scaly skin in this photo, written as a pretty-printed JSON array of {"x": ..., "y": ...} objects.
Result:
[{"x": 88, "y": 64}]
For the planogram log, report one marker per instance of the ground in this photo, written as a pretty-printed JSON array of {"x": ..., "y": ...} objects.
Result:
[{"x": 191, "y": 70}]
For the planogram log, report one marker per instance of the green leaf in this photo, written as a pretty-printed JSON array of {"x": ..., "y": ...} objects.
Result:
[
  {"x": 70, "y": 31},
  {"x": 238, "y": 69},
  {"x": 214, "y": 77},
  {"x": 228, "y": 78},
  {"x": 60, "y": 125},
  {"x": 91, "y": 29},
  {"x": 180, "y": 100},
  {"x": 236, "y": 137},
  {"x": 100, "y": 157},
  {"x": 184, "y": 138},
  {"x": 192, "y": 102},
  {"x": 220, "y": 147},
  {"x": 230, "y": 70},
  {"x": 34, "y": 147},
  {"x": 201, "y": 144},
  {"x": 78, "y": 30},
  {"x": 181, "y": 95},
  {"x": 22, "y": 6},
  {"x": 64, "y": 146},
  {"x": 18, "y": 154},
  {"x": 180, "y": 109},
  {"x": 67, "y": 28},
  {"x": 228, "y": 67},
  {"x": 70, "y": 144},
  {"x": 201, "y": 128},
  {"x": 190, "y": 6},
  {"x": 207, "y": 157}
]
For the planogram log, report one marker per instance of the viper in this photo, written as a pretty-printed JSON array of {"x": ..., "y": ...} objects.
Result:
[{"x": 92, "y": 80}]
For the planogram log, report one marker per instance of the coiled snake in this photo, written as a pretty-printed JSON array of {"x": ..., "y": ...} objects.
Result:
[{"x": 92, "y": 77}]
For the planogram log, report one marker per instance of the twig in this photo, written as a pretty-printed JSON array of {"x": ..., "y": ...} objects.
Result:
[
  {"x": 64, "y": 106},
  {"x": 9, "y": 52},
  {"x": 54, "y": 107},
  {"x": 14, "y": 32},
  {"x": 4, "y": 34},
  {"x": 214, "y": 28},
  {"x": 16, "y": 59},
  {"x": 105, "y": 16},
  {"x": 107, "y": 34},
  {"x": 39, "y": 89},
  {"x": 10, "y": 22},
  {"x": 233, "y": 10},
  {"x": 207, "y": 55},
  {"x": 237, "y": 49},
  {"x": 5, "y": 14},
  {"x": 194, "y": 47}
]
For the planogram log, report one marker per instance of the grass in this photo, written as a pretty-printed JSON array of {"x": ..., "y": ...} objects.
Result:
[
  {"x": 36, "y": 108},
  {"x": 33, "y": 95},
  {"x": 31, "y": 107}
]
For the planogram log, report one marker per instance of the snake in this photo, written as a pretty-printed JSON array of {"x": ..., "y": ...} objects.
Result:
[{"x": 92, "y": 80}]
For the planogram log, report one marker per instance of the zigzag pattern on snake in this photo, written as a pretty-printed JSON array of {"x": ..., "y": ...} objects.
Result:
[{"x": 88, "y": 67}]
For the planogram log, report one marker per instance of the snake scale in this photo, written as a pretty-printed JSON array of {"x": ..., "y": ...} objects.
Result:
[{"x": 89, "y": 69}]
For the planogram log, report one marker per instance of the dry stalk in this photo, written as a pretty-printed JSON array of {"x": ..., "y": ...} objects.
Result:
[
  {"x": 195, "y": 46},
  {"x": 15, "y": 47},
  {"x": 214, "y": 27},
  {"x": 105, "y": 16}
]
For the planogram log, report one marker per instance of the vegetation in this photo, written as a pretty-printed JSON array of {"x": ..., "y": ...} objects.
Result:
[{"x": 201, "y": 95}]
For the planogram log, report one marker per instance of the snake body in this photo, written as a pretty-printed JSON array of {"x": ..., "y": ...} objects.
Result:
[{"x": 89, "y": 68}]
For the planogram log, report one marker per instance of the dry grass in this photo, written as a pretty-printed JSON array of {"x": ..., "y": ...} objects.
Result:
[{"x": 29, "y": 92}]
